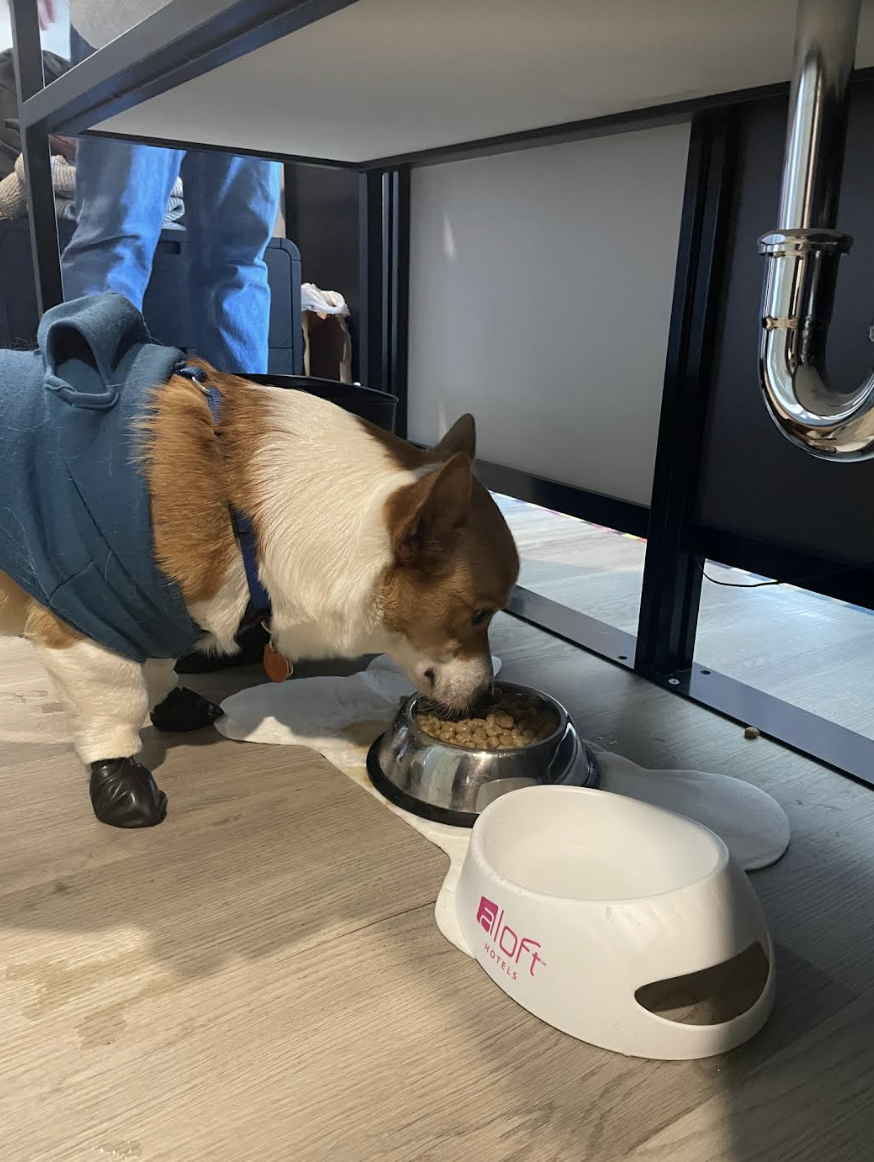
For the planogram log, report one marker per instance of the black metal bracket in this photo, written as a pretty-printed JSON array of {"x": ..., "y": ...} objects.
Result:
[
  {"x": 384, "y": 258},
  {"x": 673, "y": 571},
  {"x": 595, "y": 507}
]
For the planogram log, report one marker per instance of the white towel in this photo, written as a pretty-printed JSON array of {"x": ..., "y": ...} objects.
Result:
[{"x": 322, "y": 302}]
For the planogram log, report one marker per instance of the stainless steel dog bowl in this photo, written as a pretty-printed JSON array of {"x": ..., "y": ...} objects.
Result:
[{"x": 452, "y": 784}]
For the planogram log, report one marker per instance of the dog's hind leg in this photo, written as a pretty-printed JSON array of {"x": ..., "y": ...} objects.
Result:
[{"x": 109, "y": 700}]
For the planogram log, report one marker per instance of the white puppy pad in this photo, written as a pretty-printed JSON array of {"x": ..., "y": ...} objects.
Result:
[{"x": 753, "y": 825}]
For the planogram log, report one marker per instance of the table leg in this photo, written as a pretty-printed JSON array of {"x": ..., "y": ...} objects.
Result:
[{"x": 45, "y": 251}]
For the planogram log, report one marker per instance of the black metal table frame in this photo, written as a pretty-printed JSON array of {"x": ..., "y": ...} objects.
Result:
[{"x": 177, "y": 44}]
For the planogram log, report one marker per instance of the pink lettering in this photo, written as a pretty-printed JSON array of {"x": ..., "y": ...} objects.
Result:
[
  {"x": 515, "y": 938},
  {"x": 491, "y": 919},
  {"x": 487, "y": 914},
  {"x": 526, "y": 944}
]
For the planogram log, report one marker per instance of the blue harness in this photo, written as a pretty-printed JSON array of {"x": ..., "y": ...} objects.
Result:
[{"x": 243, "y": 530}]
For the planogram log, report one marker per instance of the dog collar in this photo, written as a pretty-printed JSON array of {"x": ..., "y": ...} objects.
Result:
[{"x": 242, "y": 526}]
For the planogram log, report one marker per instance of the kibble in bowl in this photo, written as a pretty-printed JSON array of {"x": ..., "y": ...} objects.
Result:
[
  {"x": 506, "y": 721},
  {"x": 448, "y": 768}
]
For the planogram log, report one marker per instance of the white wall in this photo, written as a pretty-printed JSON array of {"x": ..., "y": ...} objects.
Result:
[
  {"x": 55, "y": 39},
  {"x": 540, "y": 298}
]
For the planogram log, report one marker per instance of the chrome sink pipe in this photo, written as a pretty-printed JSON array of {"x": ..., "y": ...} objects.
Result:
[{"x": 803, "y": 253}]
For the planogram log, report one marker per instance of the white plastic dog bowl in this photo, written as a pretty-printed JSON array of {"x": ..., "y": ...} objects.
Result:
[{"x": 600, "y": 914}]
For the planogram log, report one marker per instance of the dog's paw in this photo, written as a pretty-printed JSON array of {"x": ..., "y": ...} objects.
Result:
[
  {"x": 183, "y": 710},
  {"x": 124, "y": 794}
]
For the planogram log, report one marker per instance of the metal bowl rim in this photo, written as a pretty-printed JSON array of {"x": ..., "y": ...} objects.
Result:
[{"x": 564, "y": 721}]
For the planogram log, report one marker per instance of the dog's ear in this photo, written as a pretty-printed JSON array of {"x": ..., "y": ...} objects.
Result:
[
  {"x": 461, "y": 437},
  {"x": 426, "y": 516}
]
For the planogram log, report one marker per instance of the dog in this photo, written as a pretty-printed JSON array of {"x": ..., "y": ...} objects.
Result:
[{"x": 362, "y": 542}]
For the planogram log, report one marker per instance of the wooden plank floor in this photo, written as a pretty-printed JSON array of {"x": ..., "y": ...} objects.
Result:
[{"x": 261, "y": 977}]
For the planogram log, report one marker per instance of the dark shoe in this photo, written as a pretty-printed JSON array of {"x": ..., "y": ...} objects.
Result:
[
  {"x": 251, "y": 641},
  {"x": 124, "y": 794},
  {"x": 183, "y": 711}
]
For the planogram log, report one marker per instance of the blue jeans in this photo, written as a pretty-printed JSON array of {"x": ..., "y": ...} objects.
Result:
[{"x": 230, "y": 210}]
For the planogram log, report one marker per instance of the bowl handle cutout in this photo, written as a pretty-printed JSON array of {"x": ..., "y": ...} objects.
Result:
[{"x": 711, "y": 996}]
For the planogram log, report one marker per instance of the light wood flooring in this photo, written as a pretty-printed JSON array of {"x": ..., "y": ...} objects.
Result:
[
  {"x": 260, "y": 979},
  {"x": 799, "y": 646}
]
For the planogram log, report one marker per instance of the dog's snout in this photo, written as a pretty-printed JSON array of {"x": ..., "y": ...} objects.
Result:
[{"x": 456, "y": 682}]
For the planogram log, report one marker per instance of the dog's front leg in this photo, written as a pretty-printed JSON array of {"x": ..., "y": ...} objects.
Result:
[
  {"x": 175, "y": 709},
  {"x": 109, "y": 699}
]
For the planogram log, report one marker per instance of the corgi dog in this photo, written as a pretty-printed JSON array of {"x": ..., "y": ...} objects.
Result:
[{"x": 363, "y": 543}]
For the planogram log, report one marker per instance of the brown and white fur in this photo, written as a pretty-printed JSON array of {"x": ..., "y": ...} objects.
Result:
[{"x": 365, "y": 545}]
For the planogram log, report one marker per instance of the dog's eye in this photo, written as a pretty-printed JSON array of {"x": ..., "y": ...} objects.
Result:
[{"x": 480, "y": 616}]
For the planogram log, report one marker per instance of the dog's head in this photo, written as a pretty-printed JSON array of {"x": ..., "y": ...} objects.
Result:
[{"x": 454, "y": 566}]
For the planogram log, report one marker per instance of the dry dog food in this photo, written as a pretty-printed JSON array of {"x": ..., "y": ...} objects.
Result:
[{"x": 503, "y": 723}]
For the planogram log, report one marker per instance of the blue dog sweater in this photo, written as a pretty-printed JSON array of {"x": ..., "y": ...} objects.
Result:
[{"x": 75, "y": 521}]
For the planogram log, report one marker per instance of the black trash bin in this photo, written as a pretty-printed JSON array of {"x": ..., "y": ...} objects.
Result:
[{"x": 378, "y": 407}]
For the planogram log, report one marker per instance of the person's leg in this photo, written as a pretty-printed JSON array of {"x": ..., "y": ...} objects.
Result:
[
  {"x": 121, "y": 196},
  {"x": 230, "y": 210}
]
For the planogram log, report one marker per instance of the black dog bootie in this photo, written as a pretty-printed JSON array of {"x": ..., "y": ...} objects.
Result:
[
  {"x": 124, "y": 794},
  {"x": 183, "y": 711}
]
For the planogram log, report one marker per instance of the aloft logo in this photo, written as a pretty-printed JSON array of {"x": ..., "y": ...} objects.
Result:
[{"x": 523, "y": 951}]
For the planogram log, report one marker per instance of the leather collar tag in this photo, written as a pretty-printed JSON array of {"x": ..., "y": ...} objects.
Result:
[{"x": 276, "y": 666}]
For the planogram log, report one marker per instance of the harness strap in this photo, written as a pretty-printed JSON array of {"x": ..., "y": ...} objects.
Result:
[{"x": 242, "y": 526}]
